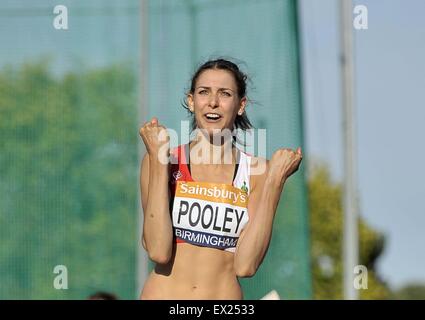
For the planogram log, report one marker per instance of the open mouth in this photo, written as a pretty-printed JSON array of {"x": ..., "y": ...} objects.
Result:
[{"x": 212, "y": 117}]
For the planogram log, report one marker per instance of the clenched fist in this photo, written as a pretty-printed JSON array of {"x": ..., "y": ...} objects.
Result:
[
  {"x": 156, "y": 140},
  {"x": 284, "y": 163}
]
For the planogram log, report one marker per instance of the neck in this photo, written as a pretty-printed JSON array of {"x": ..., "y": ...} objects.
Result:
[{"x": 212, "y": 150}]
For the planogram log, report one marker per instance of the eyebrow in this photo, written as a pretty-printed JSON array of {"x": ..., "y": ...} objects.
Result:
[{"x": 218, "y": 88}]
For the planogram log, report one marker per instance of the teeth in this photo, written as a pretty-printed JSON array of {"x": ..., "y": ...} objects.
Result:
[{"x": 213, "y": 115}]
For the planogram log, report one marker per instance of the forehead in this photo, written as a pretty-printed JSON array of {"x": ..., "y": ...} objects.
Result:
[{"x": 216, "y": 78}]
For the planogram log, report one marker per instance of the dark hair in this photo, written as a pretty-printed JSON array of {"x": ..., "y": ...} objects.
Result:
[
  {"x": 102, "y": 295},
  {"x": 241, "y": 121}
]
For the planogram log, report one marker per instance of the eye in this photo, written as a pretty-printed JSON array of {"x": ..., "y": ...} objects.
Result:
[
  {"x": 227, "y": 94},
  {"x": 203, "y": 91}
]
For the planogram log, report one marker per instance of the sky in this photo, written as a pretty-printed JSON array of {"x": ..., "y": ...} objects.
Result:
[
  {"x": 389, "y": 86},
  {"x": 389, "y": 100}
]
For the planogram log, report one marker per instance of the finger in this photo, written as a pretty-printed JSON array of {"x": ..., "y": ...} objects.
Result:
[
  {"x": 299, "y": 150},
  {"x": 154, "y": 121},
  {"x": 142, "y": 129}
]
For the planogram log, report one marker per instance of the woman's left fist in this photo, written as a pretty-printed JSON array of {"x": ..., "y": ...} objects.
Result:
[{"x": 284, "y": 163}]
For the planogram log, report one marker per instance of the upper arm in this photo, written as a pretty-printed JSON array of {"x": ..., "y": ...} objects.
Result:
[
  {"x": 257, "y": 183},
  {"x": 144, "y": 186}
]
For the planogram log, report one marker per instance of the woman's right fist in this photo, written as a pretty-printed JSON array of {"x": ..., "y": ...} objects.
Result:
[{"x": 156, "y": 139}]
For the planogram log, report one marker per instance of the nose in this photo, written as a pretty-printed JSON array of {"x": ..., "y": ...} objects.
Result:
[{"x": 213, "y": 103}]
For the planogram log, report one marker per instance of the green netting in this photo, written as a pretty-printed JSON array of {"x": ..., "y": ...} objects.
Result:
[
  {"x": 264, "y": 35},
  {"x": 68, "y": 148}
]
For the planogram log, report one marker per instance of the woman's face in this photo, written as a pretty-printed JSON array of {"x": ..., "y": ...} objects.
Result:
[{"x": 215, "y": 101}]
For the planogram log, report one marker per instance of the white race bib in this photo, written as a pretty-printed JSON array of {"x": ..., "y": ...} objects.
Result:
[{"x": 209, "y": 214}]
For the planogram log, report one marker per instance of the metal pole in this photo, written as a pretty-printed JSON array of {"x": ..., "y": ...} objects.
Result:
[{"x": 350, "y": 247}]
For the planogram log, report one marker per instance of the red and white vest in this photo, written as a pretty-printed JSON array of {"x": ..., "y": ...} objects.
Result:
[{"x": 208, "y": 214}]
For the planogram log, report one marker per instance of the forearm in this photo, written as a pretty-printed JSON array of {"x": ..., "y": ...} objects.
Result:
[
  {"x": 157, "y": 226},
  {"x": 255, "y": 242}
]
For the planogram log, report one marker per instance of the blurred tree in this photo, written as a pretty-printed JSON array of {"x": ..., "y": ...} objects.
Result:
[
  {"x": 69, "y": 177},
  {"x": 326, "y": 223},
  {"x": 411, "y": 291}
]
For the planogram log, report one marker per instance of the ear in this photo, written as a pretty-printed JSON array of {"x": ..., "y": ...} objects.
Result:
[
  {"x": 189, "y": 100},
  {"x": 242, "y": 106}
]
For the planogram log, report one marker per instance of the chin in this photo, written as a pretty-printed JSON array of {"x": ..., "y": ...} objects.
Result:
[{"x": 215, "y": 131}]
